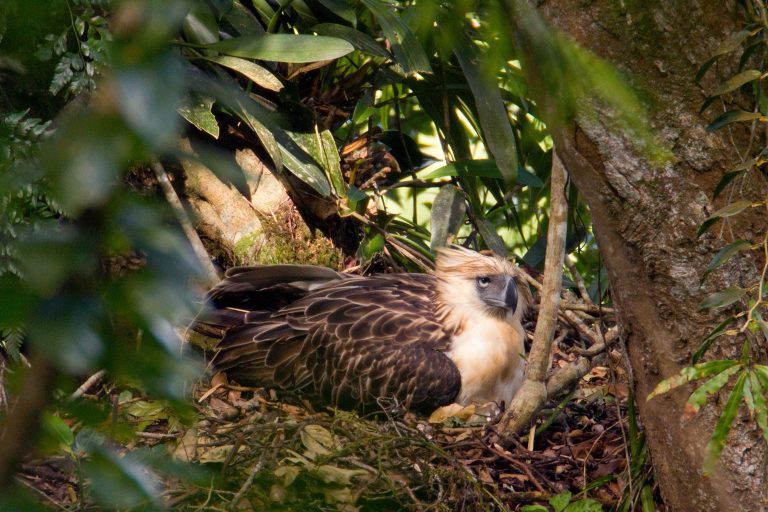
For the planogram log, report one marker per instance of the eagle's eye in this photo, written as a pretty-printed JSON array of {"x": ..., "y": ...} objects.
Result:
[{"x": 483, "y": 281}]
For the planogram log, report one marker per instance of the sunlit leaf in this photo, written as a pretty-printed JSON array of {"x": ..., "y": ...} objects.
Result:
[
  {"x": 690, "y": 373},
  {"x": 200, "y": 26},
  {"x": 737, "y": 81},
  {"x": 259, "y": 75},
  {"x": 197, "y": 110},
  {"x": 491, "y": 109},
  {"x": 732, "y": 116},
  {"x": 406, "y": 47},
  {"x": 761, "y": 407},
  {"x": 295, "y": 48},
  {"x": 725, "y": 254},
  {"x": 726, "y": 211},
  {"x": 360, "y": 40},
  {"x": 723, "y": 426},
  {"x": 722, "y": 298},
  {"x": 710, "y": 387},
  {"x": 733, "y": 41},
  {"x": 447, "y": 214},
  {"x": 560, "y": 501},
  {"x": 294, "y": 148}
]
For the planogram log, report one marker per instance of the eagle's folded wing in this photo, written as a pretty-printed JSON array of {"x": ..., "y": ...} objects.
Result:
[{"x": 348, "y": 340}]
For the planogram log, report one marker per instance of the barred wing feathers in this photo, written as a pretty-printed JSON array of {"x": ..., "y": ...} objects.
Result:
[{"x": 347, "y": 340}]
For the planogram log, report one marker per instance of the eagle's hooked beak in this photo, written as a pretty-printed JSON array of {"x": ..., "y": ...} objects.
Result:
[
  {"x": 510, "y": 295},
  {"x": 503, "y": 295}
]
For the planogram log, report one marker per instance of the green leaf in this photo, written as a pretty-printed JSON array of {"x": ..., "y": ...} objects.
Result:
[
  {"x": 243, "y": 20},
  {"x": 690, "y": 373},
  {"x": 723, "y": 255},
  {"x": 703, "y": 69},
  {"x": 259, "y": 75},
  {"x": 720, "y": 434},
  {"x": 724, "y": 181},
  {"x": 732, "y": 42},
  {"x": 560, "y": 501},
  {"x": 200, "y": 25},
  {"x": 331, "y": 162},
  {"x": 491, "y": 237},
  {"x": 737, "y": 81},
  {"x": 722, "y": 298},
  {"x": 761, "y": 408},
  {"x": 447, "y": 214},
  {"x": 294, "y": 48},
  {"x": 586, "y": 505},
  {"x": 342, "y": 9},
  {"x": 197, "y": 110},
  {"x": 407, "y": 49},
  {"x": 646, "y": 499},
  {"x": 726, "y": 211},
  {"x": 120, "y": 482},
  {"x": 300, "y": 162},
  {"x": 732, "y": 116},
  {"x": 491, "y": 110},
  {"x": 534, "y": 508},
  {"x": 710, "y": 387},
  {"x": 712, "y": 336},
  {"x": 361, "y": 41}
]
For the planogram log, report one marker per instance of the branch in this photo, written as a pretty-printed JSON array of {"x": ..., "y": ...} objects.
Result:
[
  {"x": 533, "y": 393},
  {"x": 211, "y": 277}
]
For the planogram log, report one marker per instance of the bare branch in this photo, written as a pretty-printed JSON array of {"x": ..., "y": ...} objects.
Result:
[{"x": 533, "y": 393}]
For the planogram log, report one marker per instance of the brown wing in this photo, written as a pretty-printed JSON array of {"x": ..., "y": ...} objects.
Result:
[{"x": 349, "y": 341}]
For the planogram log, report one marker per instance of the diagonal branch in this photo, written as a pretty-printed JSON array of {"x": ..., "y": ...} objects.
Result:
[{"x": 533, "y": 393}]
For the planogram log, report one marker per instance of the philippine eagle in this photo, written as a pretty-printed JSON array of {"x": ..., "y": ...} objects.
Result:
[{"x": 426, "y": 340}]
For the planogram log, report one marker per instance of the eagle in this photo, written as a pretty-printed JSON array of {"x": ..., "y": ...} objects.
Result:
[{"x": 423, "y": 340}]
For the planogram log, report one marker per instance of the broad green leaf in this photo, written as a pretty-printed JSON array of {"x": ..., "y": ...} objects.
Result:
[
  {"x": 534, "y": 508},
  {"x": 712, "y": 336},
  {"x": 703, "y": 70},
  {"x": 710, "y": 387},
  {"x": 481, "y": 168},
  {"x": 121, "y": 482},
  {"x": 723, "y": 255},
  {"x": 299, "y": 162},
  {"x": 724, "y": 181},
  {"x": 737, "y": 81},
  {"x": 371, "y": 246},
  {"x": 360, "y": 40},
  {"x": 406, "y": 47},
  {"x": 761, "y": 408},
  {"x": 342, "y": 9},
  {"x": 200, "y": 26},
  {"x": 585, "y": 505},
  {"x": 560, "y": 501},
  {"x": 331, "y": 162},
  {"x": 491, "y": 237},
  {"x": 294, "y": 48},
  {"x": 732, "y": 116},
  {"x": 732, "y": 42},
  {"x": 265, "y": 135},
  {"x": 491, "y": 110},
  {"x": 722, "y": 298},
  {"x": 447, "y": 214},
  {"x": 259, "y": 75},
  {"x": 720, "y": 434},
  {"x": 197, "y": 110},
  {"x": 726, "y": 211},
  {"x": 690, "y": 373},
  {"x": 243, "y": 19}
]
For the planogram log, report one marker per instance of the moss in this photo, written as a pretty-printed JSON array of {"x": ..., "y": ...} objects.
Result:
[{"x": 285, "y": 238}]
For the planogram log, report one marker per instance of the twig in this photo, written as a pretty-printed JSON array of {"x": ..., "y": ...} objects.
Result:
[
  {"x": 533, "y": 393},
  {"x": 87, "y": 385},
  {"x": 211, "y": 277},
  {"x": 578, "y": 279},
  {"x": 156, "y": 435},
  {"x": 255, "y": 470}
]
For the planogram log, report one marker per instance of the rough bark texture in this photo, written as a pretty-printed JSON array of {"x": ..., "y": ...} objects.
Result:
[{"x": 646, "y": 217}]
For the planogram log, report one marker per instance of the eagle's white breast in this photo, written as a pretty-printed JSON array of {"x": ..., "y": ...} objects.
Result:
[{"x": 489, "y": 355}]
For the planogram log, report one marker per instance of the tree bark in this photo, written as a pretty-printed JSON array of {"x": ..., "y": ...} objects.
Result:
[{"x": 645, "y": 218}]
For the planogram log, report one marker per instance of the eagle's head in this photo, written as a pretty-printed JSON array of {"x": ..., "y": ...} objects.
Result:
[{"x": 475, "y": 283}]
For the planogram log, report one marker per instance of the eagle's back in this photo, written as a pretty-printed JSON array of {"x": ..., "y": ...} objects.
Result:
[{"x": 348, "y": 340}]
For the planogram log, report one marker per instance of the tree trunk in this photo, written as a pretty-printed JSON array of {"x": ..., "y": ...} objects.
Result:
[{"x": 646, "y": 217}]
